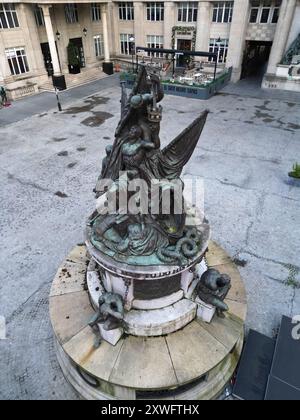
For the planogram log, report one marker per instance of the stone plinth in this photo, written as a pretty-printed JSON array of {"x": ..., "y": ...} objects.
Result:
[
  {"x": 152, "y": 317},
  {"x": 195, "y": 362},
  {"x": 282, "y": 80},
  {"x": 144, "y": 287},
  {"x": 205, "y": 312}
]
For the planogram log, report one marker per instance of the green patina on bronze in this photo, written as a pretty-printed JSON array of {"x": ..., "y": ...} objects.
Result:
[
  {"x": 110, "y": 314},
  {"x": 146, "y": 238},
  {"x": 213, "y": 289},
  {"x": 295, "y": 173}
]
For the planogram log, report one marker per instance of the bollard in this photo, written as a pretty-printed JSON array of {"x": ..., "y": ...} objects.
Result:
[{"x": 58, "y": 101}]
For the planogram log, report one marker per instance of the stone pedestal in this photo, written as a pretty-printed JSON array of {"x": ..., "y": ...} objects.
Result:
[
  {"x": 157, "y": 299},
  {"x": 205, "y": 312},
  {"x": 113, "y": 336},
  {"x": 167, "y": 351}
]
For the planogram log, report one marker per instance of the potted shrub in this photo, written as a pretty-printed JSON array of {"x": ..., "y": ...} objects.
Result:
[
  {"x": 73, "y": 59},
  {"x": 295, "y": 172}
]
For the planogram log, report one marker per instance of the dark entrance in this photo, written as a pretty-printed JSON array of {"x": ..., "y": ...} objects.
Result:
[
  {"x": 79, "y": 44},
  {"x": 47, "y": 58},
  {"x": 183, "y": 45},
  {"x": 256, "y": 58}
]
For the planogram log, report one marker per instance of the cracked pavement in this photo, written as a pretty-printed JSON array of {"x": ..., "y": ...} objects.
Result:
[{"x": 49, "y": 164}]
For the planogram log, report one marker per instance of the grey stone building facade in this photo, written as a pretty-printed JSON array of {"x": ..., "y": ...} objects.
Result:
[{"x": 247, "y": 35}]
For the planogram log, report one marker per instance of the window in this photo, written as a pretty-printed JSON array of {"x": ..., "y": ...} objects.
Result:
[
  {"x": 99, "y": 45},
  {"x": 219, "y": 48},
  {"x": 222, "y": 12},
  {"x": 126, "y": 11},
  {"x": 155, "y": 12},
  {"x": 8, "y": 16},
  {"x": 71, "y": 13},
  {"x": 39, "y": 16},
  {"x": 17, "y": 60},
  {"x": 96, "y": 12},
  {"x": 275, "y": 16},
  {"x": 265, "y": 11},
  {"x": 155, "y": 41},
  {"x": 254, "y": 11},
  {"x": 126, "y": 44},
  {"x": 187, "y": 12}
]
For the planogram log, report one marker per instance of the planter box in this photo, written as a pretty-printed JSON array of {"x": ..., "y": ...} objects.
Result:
[
  {"x": 59, "y": 82},
  {"x": 108, "y": 68},
  {"x": 185, "y": 91},
  {"x": 188, "y": 92},
  {"x": 74, "y": 69}
]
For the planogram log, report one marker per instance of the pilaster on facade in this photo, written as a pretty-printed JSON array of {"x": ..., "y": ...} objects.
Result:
[
  {"x": 169, "y": 23},
  {"x": 203, "y": 25},
  {"x": 113, "y": 13},
  {"x": 87, "y": 38},
  {"x": 32, "y": 37},
  {"x": 138, "y": 23}
]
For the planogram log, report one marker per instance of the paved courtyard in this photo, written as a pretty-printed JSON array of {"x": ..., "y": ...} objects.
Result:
[{"x": 49, "y": 163}]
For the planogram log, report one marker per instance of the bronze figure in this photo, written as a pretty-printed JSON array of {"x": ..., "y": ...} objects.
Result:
[{"x": 153, "y": 237}]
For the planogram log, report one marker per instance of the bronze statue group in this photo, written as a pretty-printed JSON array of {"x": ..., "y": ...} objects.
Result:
[{"x": 136, "y": 152}]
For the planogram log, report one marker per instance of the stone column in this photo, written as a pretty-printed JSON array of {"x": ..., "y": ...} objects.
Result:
[
  {"x": 169, "y": 22},
  {"x": 105, "y": 33},
  {"x": 203, "y": 25},
  {"x": 283, "y": 28},
  {"x": 239, "y": 25},
  {"x": 113, "y": 14},
  {"x": 51, "y": 39},
  {"x": 139, "y": 15}
]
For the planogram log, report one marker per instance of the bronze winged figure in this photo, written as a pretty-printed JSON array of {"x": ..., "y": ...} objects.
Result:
[{"x": 145, "y": 237}]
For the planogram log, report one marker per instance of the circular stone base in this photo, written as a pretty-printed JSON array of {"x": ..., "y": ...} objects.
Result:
[
  {"x": 155, "y": 317},
  {"x": 194, "y": 363}
]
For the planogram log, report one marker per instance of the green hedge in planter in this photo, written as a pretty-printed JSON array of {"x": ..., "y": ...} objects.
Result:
[
  {"x": 295, "y": 172},
  {"x": 73, "y": 55}
]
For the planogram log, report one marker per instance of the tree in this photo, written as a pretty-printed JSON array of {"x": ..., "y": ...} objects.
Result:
[{"x": 73, "y": 55}]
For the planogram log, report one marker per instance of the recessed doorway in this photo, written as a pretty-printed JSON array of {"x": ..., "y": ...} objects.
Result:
[
  {"x": 256, "y": 57},
  {"x": 183, "y": 45}
]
